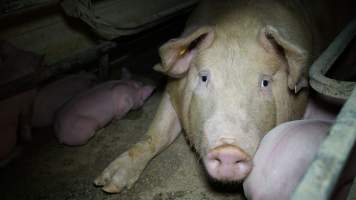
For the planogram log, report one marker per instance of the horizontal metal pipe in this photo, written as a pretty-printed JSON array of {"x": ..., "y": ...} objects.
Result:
[
  {"x": 318, "y": 80},
  {"x": 73, "y": 62}
]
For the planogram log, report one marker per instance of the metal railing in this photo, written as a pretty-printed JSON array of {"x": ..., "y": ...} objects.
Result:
[{"x": 323, "y": 174}]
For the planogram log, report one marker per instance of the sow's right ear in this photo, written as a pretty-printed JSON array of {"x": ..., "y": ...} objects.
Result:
[
  {"x": 177, "y": 54},
  {"x": 296, "y": 56}
]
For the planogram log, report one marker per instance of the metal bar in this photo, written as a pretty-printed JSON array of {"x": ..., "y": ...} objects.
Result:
[
  {"x": 76, "y": 61},
  {"x": 318, "y": 80},
  {"x": 122, "y": 50},
  {"x": 320, "y": 180},
  {"x": 322, "y": 175},
  {"x": 14, "y": 8}
]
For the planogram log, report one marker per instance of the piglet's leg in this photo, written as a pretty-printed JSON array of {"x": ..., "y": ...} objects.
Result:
[{"x": 126, "y": 169}]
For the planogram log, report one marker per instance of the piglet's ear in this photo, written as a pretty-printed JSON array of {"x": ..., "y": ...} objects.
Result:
[
  {"x": 177, "y": 54},
  {"x": 295, "y": 55}
]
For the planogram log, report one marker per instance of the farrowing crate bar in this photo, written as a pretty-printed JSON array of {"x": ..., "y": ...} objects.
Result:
[
  {"x": 322, "y": 175},
  {"x": 102, "y": 56}
]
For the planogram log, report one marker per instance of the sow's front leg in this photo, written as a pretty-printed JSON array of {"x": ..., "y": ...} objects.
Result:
[{"x": 126, "y": 169}]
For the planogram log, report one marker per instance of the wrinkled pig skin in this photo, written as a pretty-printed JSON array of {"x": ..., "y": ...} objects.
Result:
[
  {"x": 238, "y": 70},
  {"x": 283, "y": 157},
  {"x": 51, "y": 97},
  {"x": 77, "y": 121},
  {"x": 15, "y": 116}
]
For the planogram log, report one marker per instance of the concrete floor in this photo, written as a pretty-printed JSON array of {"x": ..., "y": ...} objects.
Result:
[{"x": 48, "y": 170}]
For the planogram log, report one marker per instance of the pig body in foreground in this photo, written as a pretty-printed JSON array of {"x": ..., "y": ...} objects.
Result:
[
  {"x": 78, "y": 119},
  {"x": 238, "y": 70},
  {"x": 283, "y": 158}
]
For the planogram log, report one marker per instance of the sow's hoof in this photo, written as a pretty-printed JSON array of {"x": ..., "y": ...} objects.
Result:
[{"x": 122, "y": 172}]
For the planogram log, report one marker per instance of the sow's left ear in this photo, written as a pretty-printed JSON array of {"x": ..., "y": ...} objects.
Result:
[
  {"x": 296, "y": 56},
  {"x": 177, "y": 54}
]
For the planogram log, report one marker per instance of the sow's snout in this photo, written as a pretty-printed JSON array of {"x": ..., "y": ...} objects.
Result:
[{"x": 227, "y": 163}]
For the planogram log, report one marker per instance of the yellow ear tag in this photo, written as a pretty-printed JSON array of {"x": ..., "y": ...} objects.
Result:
[{"x": 182, "y": 52}]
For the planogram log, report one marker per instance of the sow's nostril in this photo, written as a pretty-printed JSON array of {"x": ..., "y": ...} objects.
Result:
[
  {"x": 226, "y": 156},
  {"x": 228, "y": 162}
]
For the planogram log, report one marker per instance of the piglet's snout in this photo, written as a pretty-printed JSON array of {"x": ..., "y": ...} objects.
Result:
[{"x": 228, "y": 163}]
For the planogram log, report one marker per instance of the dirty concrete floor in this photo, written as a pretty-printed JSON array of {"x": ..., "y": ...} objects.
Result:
[{"x": 48, "y": 170}]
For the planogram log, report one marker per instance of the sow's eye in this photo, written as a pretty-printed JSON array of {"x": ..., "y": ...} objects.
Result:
[
  {"x": 204, "y": 77},
  {"x": 265, "y": 83}
]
